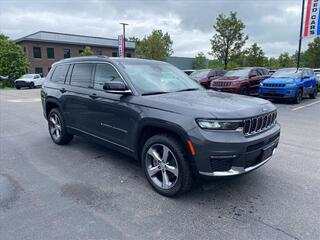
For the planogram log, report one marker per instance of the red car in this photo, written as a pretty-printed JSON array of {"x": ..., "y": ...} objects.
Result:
[
  {"x": 245, "y": 81},
  {"x": 205, "y": 76}
]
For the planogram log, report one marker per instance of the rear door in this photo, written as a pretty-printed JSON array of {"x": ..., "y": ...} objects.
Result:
[
  {"x": 254, "y": 79},
  {"x": 78, "y": 96},
  {"x": 307, "y": 81}
]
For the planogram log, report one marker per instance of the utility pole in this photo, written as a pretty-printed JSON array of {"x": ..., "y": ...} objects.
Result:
[
  {"x": 300, "y": 37},
  {"x": 124, "y": 38}
]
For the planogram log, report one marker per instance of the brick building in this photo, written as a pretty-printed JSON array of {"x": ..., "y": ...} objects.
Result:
[{"x": 44, "y": 48}]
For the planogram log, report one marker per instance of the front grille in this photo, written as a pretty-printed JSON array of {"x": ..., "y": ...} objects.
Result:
[
  {"x": 259, "y": 123},
  {"x": 272, "y": 95},
  {"x": 221, "y": 84},
  {"x": 274, "y": 85}
]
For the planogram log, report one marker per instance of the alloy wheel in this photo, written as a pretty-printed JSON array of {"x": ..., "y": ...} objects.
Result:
[
  {"x": 162, "y": 166},
  {"x": 55, "y": 126}
]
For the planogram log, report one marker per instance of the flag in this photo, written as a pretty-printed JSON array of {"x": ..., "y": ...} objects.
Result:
[{"x": 312, "y": 21}]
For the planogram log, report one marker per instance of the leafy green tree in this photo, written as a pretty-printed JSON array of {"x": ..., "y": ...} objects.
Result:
[
  {"x": 229, "y": 38},
  {"x": 312, "y": 54},
  {"x": 13, "y": 62},
  {"x": 215, "y": 63},
  {"x": 157, "y": 45},
  {"x": 200, "y": 61},
  {"x": 284, "y": 60},
  {"x": 254, "y": 56},
  {"x": 87, "y": 51}
]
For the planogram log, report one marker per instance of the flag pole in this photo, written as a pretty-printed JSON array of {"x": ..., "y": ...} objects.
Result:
[{"x": 300, "y": 37}]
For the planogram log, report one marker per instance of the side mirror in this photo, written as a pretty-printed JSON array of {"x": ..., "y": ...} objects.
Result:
[
  {"x": 252, "y": 75},
  {"x": 116, "y": 87}
]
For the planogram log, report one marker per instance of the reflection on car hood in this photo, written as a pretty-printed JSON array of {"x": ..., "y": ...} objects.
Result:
[
  {"x": 280, "y": 80},
  {"x": 210, "y": 104}
]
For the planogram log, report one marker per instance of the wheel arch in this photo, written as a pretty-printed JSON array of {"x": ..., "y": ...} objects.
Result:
[{"x": 50, "y": 104}]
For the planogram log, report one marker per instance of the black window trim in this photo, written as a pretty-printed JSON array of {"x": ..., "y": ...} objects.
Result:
[{"x": 91, "y": 74}]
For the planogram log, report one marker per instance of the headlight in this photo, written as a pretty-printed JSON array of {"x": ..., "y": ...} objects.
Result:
[
  {"x": 261, "y": 84},
  {"x": 219, "y": 124},
  {"x": 291, "y": 84}
]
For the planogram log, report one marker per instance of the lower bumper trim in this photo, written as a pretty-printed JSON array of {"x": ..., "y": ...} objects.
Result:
[{"x": 235, "y": 170}]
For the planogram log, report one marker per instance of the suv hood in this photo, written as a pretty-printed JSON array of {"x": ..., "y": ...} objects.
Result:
[
  {"x": 280, "y": 80},
  {"x": 24, "y": 79},
  {"x": 209, "y": 104}
]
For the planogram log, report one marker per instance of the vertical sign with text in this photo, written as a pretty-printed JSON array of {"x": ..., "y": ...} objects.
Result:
[
  {"x": 120, "y": 46},
  {"x": 312, "y": 21}
]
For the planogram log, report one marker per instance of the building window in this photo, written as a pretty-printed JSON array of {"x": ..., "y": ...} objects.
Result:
[
  {"x": 114, "y": 54},
  {"x": 128, "y": 55},
  {"x": 36, "y": 52},
  {"x": 66, "y": 53},
  {"x": 50, "y": 53},
  {"x": 99, "y": 52},
  {"x": 39, "y": 70}
]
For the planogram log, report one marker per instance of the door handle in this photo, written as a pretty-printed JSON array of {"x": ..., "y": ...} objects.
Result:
[
  {"x": 63, "y": 90},
  {"x": 93, "y": 96}
]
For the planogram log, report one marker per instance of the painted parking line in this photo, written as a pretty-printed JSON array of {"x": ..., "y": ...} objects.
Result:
[
  {"x": 304, "y": 106},
  {"x": 30, "y": 100}
]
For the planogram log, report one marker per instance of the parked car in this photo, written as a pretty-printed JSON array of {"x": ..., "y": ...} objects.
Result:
[
  {"x": 245, "y": 81},
  {"x": 317, "y": 72},
  {"x": 156, "y": 114},
  {"x": 205, "y": 76},
  {"x": 29, "y": 80},
  {"x": 188, "y": 71},
  {"x": 290, "y": 83}
]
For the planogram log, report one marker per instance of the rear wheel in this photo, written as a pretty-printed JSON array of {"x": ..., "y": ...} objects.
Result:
[
  {"x": 57, "y": 128},
  {"x": 166, "y": 166},
  {"x": 244, "y": 90},
  {"x": 298, "y": 97},
  {"x": 315, "y": 93}
]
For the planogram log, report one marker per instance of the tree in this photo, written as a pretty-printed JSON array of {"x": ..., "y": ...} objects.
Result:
[
  {"x": 229, "y": 39},
  {"x": 13, "y": 62},
  {"x": 200, "y": 61},
  {"x": 312, "y": 54},
  {"x": 157, "y": 45},
  {"x": 254, "y": 56},
  {"x": 284, "y": 60},
  {"x": 87, "y": 52}
]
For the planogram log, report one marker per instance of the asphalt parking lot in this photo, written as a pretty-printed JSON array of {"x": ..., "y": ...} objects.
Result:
[{"x": 85, "y": 191}]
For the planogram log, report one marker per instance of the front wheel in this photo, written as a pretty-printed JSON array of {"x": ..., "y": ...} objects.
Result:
[
  {"x": 244, "y": 90},
  {"x": 57, "y": 128},
  {"x": 166, "y": 166},
  {"x": 315, "y": 93},
  {"x": 298, "y": 97},
  {"x": 31, "y": 85}
]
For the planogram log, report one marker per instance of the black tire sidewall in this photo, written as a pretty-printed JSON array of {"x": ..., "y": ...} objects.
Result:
[
  {"x": 64, "y": 137},
  {"x": 183, "y": 165},
  {"x": 297, "y": 99},
  {"x": 244, "y": 90}
]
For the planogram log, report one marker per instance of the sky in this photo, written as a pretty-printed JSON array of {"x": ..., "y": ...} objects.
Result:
[{"x": 273, "y": 24}]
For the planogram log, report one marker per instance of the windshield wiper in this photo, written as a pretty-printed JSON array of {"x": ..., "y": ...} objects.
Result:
[
  {"x": 153, "y": 93},
  {"x": 188, "y": 89}
]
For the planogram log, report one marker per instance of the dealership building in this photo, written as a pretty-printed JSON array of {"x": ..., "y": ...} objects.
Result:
[{"x": 44, "y": 48}]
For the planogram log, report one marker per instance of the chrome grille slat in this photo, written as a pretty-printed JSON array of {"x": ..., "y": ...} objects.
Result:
[{"x": 257, "y": 124}]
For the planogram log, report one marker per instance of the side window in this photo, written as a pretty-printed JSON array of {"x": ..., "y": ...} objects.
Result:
[
  {"x": 105, "y": 73},
  {"x": 81, "y": 75},
  {"x": 260, "y": 72},
  {"x": 254, "y": 72},
  {"x": 306, "y": 73},
  {"x": 59, "y": 74}
]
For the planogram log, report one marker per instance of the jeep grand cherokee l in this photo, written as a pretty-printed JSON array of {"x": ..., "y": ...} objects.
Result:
[
  {"x": 156, "y": 114},
  {"x": 243, "y": 81}
]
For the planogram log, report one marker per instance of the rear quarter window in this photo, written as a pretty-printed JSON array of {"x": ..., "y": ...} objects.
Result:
[
  {"x": 60, "y": 73},
  {"x": 81, "y": 75}
]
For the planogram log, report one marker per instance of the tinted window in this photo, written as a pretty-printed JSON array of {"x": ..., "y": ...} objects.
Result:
[
  {"x": 50, "y": 53},
  {"x": 260, "y": 71},
  {"x": 36, "y": 52},
  {"x": 39, "y": 70},
  {"x": 66, "y": 53},
  {"x": 105, "y": 73},
  {"x": 59, "y": 74},
  {"x": 81, "y": 75}
]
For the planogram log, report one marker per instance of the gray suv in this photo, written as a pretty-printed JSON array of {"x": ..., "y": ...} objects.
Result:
[{"x": 156, "y": 114}]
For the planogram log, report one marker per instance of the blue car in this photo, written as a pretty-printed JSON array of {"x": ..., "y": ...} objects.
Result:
[{"x": 291, "y": 84}]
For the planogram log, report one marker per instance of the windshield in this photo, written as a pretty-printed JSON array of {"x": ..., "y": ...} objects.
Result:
[
  {"x": 199, "y": 74},
  {"x": 238, "y": 73},
  {"x": 158, "y": 77},
  {"x": 287, "y": 73},
  {"x": 27, "y": 76}
]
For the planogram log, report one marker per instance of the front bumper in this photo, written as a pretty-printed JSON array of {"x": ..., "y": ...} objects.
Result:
[
  {"x": 226, "y": 89},
  {"x": 286, "y": 92},
  {"x": 221, "y": 154},
  {"x": 22, "y": 84}
]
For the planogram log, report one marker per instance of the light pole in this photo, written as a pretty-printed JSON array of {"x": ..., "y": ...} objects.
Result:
[{"x": 124, "y": 38}]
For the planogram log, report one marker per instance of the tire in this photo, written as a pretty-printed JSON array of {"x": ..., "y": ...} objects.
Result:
[
  {"x": 315, "y": 93},
  {"x": 179, "y": 177},
  {"x": 298, "y": 98},
  {"x": 31, "y": 85},
  {"x": 57, "y": 128},
  {"x": 244, "y": 90},
  {"x": 18, "y": 87}
]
